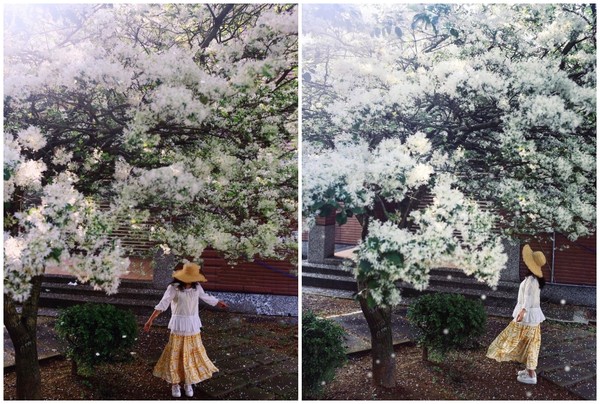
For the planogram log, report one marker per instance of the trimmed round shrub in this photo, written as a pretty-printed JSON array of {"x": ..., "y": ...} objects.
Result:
[
  {"x": 322, "y": 352},
  {"x": 96, "y": 333},
  {"x": 446, "y": 322}
]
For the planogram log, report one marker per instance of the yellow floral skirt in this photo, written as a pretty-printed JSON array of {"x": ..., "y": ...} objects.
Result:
[
  {"x": 517, "y": 342},
  {"x": 184, "y": 359}
]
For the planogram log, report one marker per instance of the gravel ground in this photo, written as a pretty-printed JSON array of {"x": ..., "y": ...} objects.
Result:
[
  {"x": 327, "y": 306},
  {"x": 467, "y": 375},
  {"x": 133, "y": 379}
]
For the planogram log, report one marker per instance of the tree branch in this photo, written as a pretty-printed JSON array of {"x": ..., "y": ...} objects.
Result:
[{"x": 214, "y": 31}]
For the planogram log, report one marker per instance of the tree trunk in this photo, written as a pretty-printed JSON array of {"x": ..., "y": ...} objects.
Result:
[
  {"x": 382, "y": 347},
  {"x": 22, "y": 329}
]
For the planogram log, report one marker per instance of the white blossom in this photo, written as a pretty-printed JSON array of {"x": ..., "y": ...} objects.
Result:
[
  {"x": 31, "y": 138},
  {"x": 393, "y": 119},
  {"x": 122, "y": 170},
  {"x": 29, "y": 173},
  {"x": 418, "y": 175},
  {"x": 12, "y": 150},
  {"x": 418, "y": 143},
  {"x": 62, "y": 157}
]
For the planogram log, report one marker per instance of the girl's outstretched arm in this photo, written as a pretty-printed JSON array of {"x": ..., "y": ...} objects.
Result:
[
  {"x": 213, "y": 301},
  {"x": 161, "y": 306},
  {"x": 148, "y": 324}
]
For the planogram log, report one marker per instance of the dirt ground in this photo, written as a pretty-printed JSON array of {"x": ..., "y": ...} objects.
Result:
[
  {"x": 467, "y": 375},
  {"x": 133, "y": 379}
]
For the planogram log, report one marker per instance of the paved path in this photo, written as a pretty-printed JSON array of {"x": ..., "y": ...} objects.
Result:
[
  {"x": 358, "y": 338},
  {"x": 246, "y": 371},
  {"x": 49, "y": 346},
  {"x": 567, "y": 356}
]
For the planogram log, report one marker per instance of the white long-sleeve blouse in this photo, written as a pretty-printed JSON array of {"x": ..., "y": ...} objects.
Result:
[
  {"x": 529, "y": 299},
  {"x": 185, "y": 319}
]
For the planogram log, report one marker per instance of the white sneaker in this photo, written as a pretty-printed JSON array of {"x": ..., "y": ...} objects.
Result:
[
  {"x": 527, "y": 379},
  {"x": 189, "y": 391},
  {"x": 522, "y": 372},
  {"x": 176, "y": 391}
]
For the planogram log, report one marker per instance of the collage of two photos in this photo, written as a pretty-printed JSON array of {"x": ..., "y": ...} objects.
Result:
[{"x": 283, "y": 201}]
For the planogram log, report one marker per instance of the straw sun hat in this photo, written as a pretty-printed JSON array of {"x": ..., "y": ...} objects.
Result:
[
  {"x": 189, "y": 273},
  {"x": 534, "y": 260}
]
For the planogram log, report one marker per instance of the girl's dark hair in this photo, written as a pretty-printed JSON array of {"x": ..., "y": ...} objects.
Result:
[
  {"x": 180, "y": 285},
  {"x": 541, "y": 281}
]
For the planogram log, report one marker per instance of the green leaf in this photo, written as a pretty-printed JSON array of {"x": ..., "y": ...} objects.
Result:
[
  {"x": 370, "y": 301},
  {"x": 326, "y": 210},
  {"x": 373, "y": 243},
  {"x": 266, "y": 71},
  {"x": 55, "y": 254},
  {"x": 358, "y": 210},
  {"x": 364, "y": 267},
  {"x": 341, "y": 218},
  {"x": 395, "y": 258}
]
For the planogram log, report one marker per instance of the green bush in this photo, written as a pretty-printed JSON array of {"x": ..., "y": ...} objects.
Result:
[
  {"x": 446, "y": 322},
  {"x": 96, "y": 333},
  {"x": 322, "y": 352}
]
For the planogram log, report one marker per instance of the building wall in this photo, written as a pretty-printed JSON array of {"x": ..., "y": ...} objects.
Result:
[
  {"x": 574, "y": 262},
  {"x": 268, "y": 276},
  {"x": 348, "y": 233},
  {"x": 260, "y": 277}
]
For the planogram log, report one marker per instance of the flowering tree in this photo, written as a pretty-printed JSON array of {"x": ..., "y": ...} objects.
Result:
[
  {"x": 182, "y": 114},
  {"x": 487, "y": 110}
]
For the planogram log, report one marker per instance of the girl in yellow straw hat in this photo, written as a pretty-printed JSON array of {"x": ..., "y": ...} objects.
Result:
[
  {"x": 521, "y": 340},
  {"x": 184, "y": 358}
]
